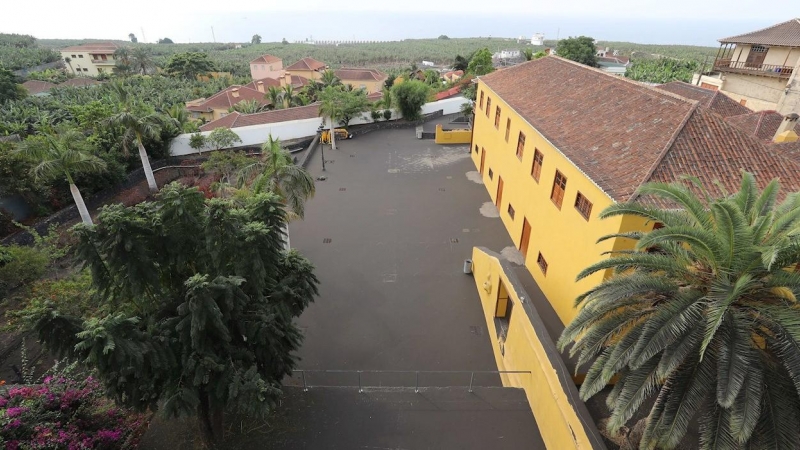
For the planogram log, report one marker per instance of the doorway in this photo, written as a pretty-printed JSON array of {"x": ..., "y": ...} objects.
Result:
[
  {"x": 499, "y": 198},
  {"x": 525, "y": 239},
  {"x": 483, "y": 158}
]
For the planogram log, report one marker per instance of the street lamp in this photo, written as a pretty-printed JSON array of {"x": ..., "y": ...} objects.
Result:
[{"x": 321, "y": 145}]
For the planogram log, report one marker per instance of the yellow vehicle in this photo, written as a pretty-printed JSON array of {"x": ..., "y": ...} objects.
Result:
[{"x": 341, "y": 133}]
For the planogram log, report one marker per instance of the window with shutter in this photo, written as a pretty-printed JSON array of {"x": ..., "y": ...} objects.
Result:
[
  {"x": 559, "y": 186},
  {"x": 538, "y": 159},
  {"x": 520, "y": 145}
]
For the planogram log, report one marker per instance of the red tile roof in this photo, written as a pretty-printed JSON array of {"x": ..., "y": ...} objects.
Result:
[
  {"x": 713, "y": 100},
  {"x": 80, "y": 82},
  {"x": 225, "y": 99},
  {"x": 622, "y": 134},
  {"x": 762, "y": 124},
  {"x": 266, "y": 59},
  {"x": 790, "y": 150},
  {"x": 94, "y": 47},
  {"x": 357, "y": 74},
  {"x": 785, "y": 34},
  {"x": 37, "y": 87},
  {"x": 307, "y": 64},
  {"x": 236, "y": 120},
  {"x": 448, "y": 93},
  {"x": 267, "y": 82}
]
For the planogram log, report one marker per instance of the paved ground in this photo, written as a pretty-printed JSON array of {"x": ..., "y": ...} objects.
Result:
[
  {"x": 340, "y": 418},
  {"x": 401, "y": 216}
]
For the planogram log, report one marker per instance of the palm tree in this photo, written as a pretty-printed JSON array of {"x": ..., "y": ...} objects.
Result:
[
  {"x": 276, "y": 172},
  {"x": 142, "y": 60},
  {"x": 331, "y": 106},
  {"x": 275, "y": 96},
  {"x": 68, "y": 60},
  {"x": 703, "y": 314},
  {"x": 249, "y": 106},
  {"x": 288, "y": 96},
  {"x": 329, "y": 78},
  {"x": 63, "y": 154},
  {"x": 180, "y": 117},
  {"x": 139, "y": 123}
]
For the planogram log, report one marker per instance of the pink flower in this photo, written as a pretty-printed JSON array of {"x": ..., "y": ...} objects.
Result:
[
  {"x": 14, "y": 412},
  {"x": 3, "y": 402},
  {"x": 16, "y": 423},
  {"x": 109, "y": 435},
  {"x": 12, "y": 445}
]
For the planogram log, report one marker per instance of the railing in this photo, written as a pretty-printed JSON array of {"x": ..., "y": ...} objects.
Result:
[
  {"x": 361, "y": 386},
  {"x": 103, "y": 61},
  {"x": 745, "y": 67}
]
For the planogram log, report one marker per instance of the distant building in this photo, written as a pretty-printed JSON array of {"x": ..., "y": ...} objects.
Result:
[
  {"x": 506, "y": 54},
  {"x": 616, "y": 65},
  {"x": 537, "y": 39},
  {"x": 218, "y": 105},
  {"x": 266, "y": 66},
  {"x": 759, "y": 69},
  {"x": 371, "y": 80},
  {"x": 308, "y": 68},
  {"x": 90, "y": 60},
  {"x": 428, "y": 63}
]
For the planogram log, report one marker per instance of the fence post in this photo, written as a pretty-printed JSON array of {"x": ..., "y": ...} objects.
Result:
[
  {"x": 471, "y": 378},
  {"x": 416, "y": 385},
  {"x": 305, "y": 386},
  {"x": 360, "y": 390}
]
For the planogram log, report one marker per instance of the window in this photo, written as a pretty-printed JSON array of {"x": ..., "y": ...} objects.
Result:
[
  {"x": 536, "y": 170},
  {"x": 104, "y": 57},
  {"x": 511, "y": 211},
  {"x": 497, "y": 118},
  {"x": 520, "y": 145},
  {"x": 758, "y": 49},
  {"x": 476, "y": 148},
  {"x": 73, "y": 56},
  {"x": 583, "y": 206},
  {"x": 502, "y": 314},
  {"x": 80, "y": 56},
  {"x": 491, "y": 174},
  {"x": 480, "y": 105},
  {"x": 85, "y": 69},
  {"x": 542, "y": 263},
  {"x": 508, "y": 128},
  {"x": 488, "y": 105},
  {"x": 559, "y": 186}
]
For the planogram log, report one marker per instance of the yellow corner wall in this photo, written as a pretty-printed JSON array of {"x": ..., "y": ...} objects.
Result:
[
  {"x": 559, "y": 423},
  {"x": 566, "y": 240},
  {"x": 453, "y": 136}
]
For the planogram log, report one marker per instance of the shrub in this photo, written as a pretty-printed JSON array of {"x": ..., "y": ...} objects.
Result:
[
  {"x": 376, "y": 115},
  {"x": 387, "y": 114},
  {"x": 63, "y": 413},
  {"x": 24, "y": 264},
  {"x": 410, "y": 96}
]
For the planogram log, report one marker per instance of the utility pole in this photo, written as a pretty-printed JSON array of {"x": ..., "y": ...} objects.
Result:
[
  {"x": 144, "y": 39},
  {"x": 213, "y": 36},
  {"x": 702, "y": 69}
]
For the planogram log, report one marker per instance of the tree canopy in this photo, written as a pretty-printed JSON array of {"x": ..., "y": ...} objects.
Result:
[
  {"x": 409, "y": 97},
  {"x": 343, "y": 105},
  {"x": 189, "y": 64},
  {"x": 195, "y": 301},
  {"x": 702, "y": 317},
  {"x": 132, "y": 37},
  {"x": 256, "y": 39},
  {"x": 165, "y": 40},
  {"x": 661, "y": 70},
  {"x": 481, "y": 62},
  {"x": 10, "y": 89},
  {"x": 580, "y": 49}
]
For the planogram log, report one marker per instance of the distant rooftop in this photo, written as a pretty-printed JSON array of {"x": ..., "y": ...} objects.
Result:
[
  {"x": 95, "y": 47},
  {"x": 307, "y": 64},
  {"x": 265, "y": 59},
  {"x": 786, "y": 34}
]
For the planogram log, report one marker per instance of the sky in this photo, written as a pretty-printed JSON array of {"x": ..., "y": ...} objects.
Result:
[{"x": 689, "y": 22}]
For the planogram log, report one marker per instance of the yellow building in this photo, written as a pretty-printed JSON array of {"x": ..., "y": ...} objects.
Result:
[
  {"x": 760, "y": 69},
  {"x": 371, "y": 80},
  {"x": 308, "y": 68},
  {"x": 556, "y": 142},
  {"x": 90, "y": 60}
]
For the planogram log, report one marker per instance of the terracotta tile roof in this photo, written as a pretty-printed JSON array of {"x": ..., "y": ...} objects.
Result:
[
  {"x": 713, "y": 100},
  {"x": 307, "y": 64},
  {"x": 95, "y": 47},
  {"x": 225, "y": 99},
  {"x": 613, "y": 129},
  {"x": 790, "y": 150},
  {"x": 783, "y": 34},
  {"x": 357, "y": 74},
  {"x": 236, "y": 120},
  {"x": 298, "y": 81},
  {"x": 80, "y": 82},
  {"x": 37, "y": 87},
  {"x": 622, "y": 134},
  {"x": 448, "y": 93},
  {"x": 761, "y": 124},
  {"x": 266, "y": 59},
  {"x": 267, "y": 82},
  {"x": 712, "y": 150}
]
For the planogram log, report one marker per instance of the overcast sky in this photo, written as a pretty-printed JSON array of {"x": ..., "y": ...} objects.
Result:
[{"x": 646, "y": 21}]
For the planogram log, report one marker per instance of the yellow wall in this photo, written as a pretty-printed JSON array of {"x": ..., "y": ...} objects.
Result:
[
  {"x": 548, "y": 387},
  {"x": 82, "y": 64},
  {"x": 369, "y": 86},
  {"x": 566, "y": 240},
  {"x": 453, "y": 136},
  {"x": 307, "y": 74}
]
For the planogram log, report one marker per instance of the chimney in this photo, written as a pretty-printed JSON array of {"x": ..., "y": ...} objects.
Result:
[
  {"x": 235, "y": 92},
  {"x": 260, "y": 87},
  {"x": 287, "y": 79},
  {"x": 785, "y": 131}
]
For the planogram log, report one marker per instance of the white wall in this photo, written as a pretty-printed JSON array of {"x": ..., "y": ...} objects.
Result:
[{"x": 294, "y": 129}]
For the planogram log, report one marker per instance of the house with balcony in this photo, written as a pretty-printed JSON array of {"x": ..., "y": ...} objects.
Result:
[
  {"x": 759, "y": 69},
  {"x": 90, "y": 60}
]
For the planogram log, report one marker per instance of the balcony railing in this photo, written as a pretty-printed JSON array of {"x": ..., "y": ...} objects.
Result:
[
  {"x": 104, "y": 61},
  {"x": 769, "y": 70}
]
